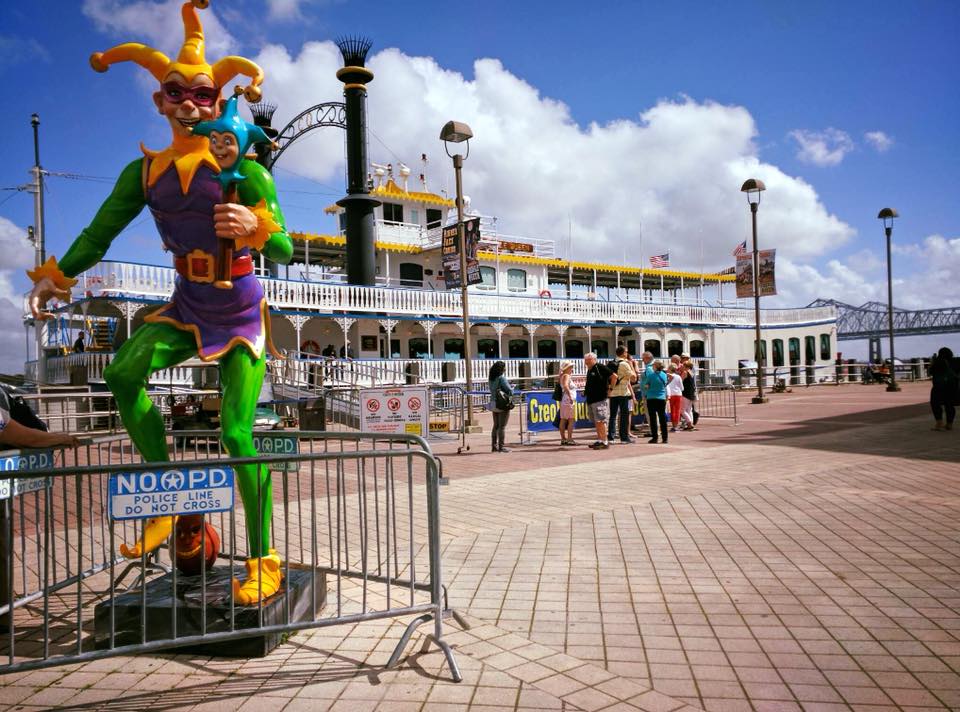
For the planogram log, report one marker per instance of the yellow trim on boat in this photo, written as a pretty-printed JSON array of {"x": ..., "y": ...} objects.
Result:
[{"x": 390, "y": 189}]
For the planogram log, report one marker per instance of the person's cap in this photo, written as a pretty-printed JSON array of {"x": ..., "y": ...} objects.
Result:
[{"x": 564, "y": 365}]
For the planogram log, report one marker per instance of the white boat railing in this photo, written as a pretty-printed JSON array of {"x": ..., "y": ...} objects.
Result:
[
  {"x": 137, "y": 280},
  {"x": 313, "y": 373}
]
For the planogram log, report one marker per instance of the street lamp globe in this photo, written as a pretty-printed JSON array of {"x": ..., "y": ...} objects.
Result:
[
  {"x": 753, "y": 187},
  {"x": 887, "y": 215},
  {"x": 455, "y": 132}
]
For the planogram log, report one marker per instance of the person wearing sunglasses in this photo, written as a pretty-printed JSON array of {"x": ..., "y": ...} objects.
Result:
[{"x": 219, "y": 320}]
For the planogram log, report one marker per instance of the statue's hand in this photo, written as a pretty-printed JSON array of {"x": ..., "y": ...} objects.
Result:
[
  {"x": 233, "y": 221},
  {"x": 42, "y": 291}
]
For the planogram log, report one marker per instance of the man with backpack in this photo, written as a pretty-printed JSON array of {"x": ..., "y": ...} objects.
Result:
[
  {"x": 621, "y": 395},
  {"x": 596, "y": 391}
]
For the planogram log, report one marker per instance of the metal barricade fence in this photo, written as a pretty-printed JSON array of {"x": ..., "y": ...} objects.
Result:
[
  {"x": 355, "y": 520},
  {"x": 717, "y": 402}
]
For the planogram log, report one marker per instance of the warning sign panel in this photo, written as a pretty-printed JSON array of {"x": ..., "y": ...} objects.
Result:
[
  {"x": 395, "y": 410},
  {"x": 199, "y": 490}
]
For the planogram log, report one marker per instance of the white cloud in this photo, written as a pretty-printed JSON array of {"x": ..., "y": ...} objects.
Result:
[
  {"x": 879, "y": 141},
  {"x": 15, "y": 254},
  {"x": 157, "y": 24},
  {"x": 285, "y": 10},
  {"x": 924, "y": 277},
  {"x": 822, "y": 148},
  {"x": 675, "y": 170}
]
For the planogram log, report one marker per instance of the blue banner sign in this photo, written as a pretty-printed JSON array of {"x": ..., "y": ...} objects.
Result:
[
  {"x": 38, "y": 460},
  {"x": 198, "y": 490},
  {"x": 542, "y": 411}
]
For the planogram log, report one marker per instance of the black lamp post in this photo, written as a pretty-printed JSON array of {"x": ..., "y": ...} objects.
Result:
[
  {"x": 753, "y": 188},
  {"x": 358, "y": 205},
  {"x": 888, "y": 215},
  {"x": 459, "y": 132}
]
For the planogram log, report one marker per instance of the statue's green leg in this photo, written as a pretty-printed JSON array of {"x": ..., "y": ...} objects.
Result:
[
  {"x": 241, "y": 376},
  {"x": 151, "y": 348}
]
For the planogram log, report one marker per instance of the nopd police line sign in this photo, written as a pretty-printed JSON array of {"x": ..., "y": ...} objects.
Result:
[{"x": 198, "y": 490}]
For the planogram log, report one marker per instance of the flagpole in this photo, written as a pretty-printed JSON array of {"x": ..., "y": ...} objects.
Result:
[
  {"x": 700, "y": 295},
  {"x": 643, "y": 270}
]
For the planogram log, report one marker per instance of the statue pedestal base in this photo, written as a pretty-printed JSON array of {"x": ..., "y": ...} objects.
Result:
[{"x": 128, "y": 609}]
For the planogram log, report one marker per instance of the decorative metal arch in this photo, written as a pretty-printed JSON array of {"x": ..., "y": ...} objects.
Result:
[{"x": 329, "y": 113}]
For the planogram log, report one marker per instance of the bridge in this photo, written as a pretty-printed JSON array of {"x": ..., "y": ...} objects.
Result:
[{"x": 869, "y": 321}]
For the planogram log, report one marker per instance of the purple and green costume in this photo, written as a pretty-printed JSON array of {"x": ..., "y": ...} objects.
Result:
[
  {"x": 221, "y": 318},
  {"x": 230, "y": 325}
]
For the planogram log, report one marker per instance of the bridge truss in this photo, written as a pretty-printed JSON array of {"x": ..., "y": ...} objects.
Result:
[{"x": 869, "y": 321}]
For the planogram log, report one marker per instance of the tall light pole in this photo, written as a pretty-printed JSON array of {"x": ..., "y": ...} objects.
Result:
[
  {"x": 459, "y": 132},
  {"x": 38, "y": 235},
  {"x": 753, "y": 188},
  {"x": 887, "y": 215}
]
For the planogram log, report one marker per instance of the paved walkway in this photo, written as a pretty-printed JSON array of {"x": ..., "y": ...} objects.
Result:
[{"x": 807, "y": 559}]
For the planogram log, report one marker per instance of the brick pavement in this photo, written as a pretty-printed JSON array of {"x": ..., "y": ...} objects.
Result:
[{"x": 805, "y": 560}]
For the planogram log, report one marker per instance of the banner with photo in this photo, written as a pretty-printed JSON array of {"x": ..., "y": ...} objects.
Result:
[
  {"x": 767, "y": 271},
  {"x": 767, "y": 282},
  {"x": 450, "y": 251},
  {"x": 745, "y": 275}
]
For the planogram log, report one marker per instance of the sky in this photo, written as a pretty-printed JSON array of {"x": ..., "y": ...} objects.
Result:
[{"x": 620, "y": 129}]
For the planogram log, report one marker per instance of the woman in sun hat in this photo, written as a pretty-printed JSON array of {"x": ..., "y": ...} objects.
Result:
[{"x": 568, "y": 403}]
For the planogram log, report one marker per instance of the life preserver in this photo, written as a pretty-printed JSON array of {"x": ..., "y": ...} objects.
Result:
[
  {"x": 545, "y": 294},
  {"x": 310, "y": 347}
]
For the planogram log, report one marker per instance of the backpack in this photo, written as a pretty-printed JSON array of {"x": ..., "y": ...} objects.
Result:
[
  {"x": 558, "y": 392},
  {"x": 614, "y": 368},
  {"x": 20, "y": 411}
]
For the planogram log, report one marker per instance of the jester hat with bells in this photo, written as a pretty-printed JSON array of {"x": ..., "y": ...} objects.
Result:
[
  {"x": 187, "y": 154},
  {"x": 189, "y": 63}
]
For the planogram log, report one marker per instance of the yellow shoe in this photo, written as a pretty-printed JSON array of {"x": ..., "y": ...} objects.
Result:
[
  {"x": 263, "y": 577},
  {"x": 155, "y": 533}
]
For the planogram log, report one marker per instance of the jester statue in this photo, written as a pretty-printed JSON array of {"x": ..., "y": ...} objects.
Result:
[{"x": 220, "y": 319}]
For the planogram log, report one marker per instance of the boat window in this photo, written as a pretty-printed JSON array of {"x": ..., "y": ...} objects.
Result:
[
  {"x": 434, "y": 218},
  {"x": 417, "y": 348},
  {"x": 488, "y": 348},
  {"x": 392, "y": 212},
  {"x": 762, "y": 353},
  {"x": 517, "y": 280},
  {"x": 778, "y": 352},
  {"x": 794, "y": 351},
  {"x": 573, "y": 348},
  {"x": 825, "y": 349},
  {"x": 411, "y": 274},
  {"x": 599, "y": 347},
  {"x": 698, "y": 349},
  {"x": 488, "y": 275},
  {"x": 414, "y": 217},
  {"x": 518, "y": 348},
  {"x": 653, "y": 346},
  {"x": 453, "y": 348},
  {"x": 674, "y": 347},
  {"x": 810, "y": 346},
  {"x": 546, "y": 348}
]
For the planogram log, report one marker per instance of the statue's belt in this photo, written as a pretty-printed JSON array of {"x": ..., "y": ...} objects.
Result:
[{"x": 200, "y": 266}]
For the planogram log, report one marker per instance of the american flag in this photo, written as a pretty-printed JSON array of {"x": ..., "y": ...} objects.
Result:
[
  {"x": 660, "y": 260},
  {"x": 741, "y": 249}
]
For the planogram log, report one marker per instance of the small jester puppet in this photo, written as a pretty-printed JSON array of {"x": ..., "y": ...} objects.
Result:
[
  {"x": 230, "y": 139},
  {"x": 182, "y": 187}
]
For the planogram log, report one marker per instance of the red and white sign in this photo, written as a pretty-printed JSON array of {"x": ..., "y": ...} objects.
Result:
[{"x": 395, "y": 410}]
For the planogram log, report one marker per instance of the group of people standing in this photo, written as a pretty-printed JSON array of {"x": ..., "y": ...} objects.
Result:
[{"x": 611, "y": 391}]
